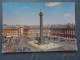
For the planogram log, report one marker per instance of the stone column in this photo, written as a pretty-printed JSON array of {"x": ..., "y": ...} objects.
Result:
[{"x": 41, "y": 26}]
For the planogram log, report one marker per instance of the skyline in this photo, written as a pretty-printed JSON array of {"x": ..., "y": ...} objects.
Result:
[{"x": 27, "y": 13}]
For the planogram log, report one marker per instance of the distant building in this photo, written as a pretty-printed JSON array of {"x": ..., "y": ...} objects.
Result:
[
  {"x": 24, "y": 31},
  {"x": 64, "y": 32},
  {"x": 46, "y": 32},
  {"x": 10, "y": 31},
  {"x": 67, "y": 31},
  {"x": 34, "y": 32},
  {"x": 4, "y": 24}
]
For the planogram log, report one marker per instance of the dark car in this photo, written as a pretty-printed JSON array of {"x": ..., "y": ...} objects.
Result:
[
  {"x": 62, "y": 40},
  {"x": 72, "y": 40}
]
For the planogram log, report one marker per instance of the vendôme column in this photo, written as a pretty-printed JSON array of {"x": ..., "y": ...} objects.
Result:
[{"x": 41, "y": 26}]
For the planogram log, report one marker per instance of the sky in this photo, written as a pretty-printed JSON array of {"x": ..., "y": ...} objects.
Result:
[{"x": 27, "y": 13}]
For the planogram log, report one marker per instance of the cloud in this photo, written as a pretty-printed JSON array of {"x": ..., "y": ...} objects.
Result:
[
  {"x": 52, "y": 4},
  {"x": 67, "y": 14},
  {"x": 26, "y": 7},
  {"x": 32, "y": 13}
]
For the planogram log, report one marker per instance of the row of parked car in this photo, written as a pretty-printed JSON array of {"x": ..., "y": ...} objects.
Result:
[
  {"x": 61, "y": 39},
  {"x": 23, "y": 49}
]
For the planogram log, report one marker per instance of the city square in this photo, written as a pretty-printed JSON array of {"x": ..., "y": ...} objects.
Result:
[
  {"x": 22, "y": 44},
  {"x": 38, "y": 34}
]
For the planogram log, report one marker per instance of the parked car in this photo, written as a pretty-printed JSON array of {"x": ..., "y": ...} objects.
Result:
[
  {"x": 62, "y": 40},
  {"x": 72, "y": 40}
]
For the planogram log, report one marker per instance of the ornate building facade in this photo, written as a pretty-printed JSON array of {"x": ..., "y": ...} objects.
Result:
[
  {"x": 11, "y": 31},
  {"x": 67, "y": 32}
]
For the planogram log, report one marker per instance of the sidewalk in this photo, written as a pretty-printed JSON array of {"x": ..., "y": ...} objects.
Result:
[{"x": 45, "y": 47}]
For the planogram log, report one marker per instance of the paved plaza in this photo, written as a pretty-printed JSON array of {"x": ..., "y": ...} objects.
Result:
[{"x": 24, "y": 44}]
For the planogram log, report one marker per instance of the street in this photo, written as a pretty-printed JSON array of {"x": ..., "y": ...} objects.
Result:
[{"x": 24, "y": 44}]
